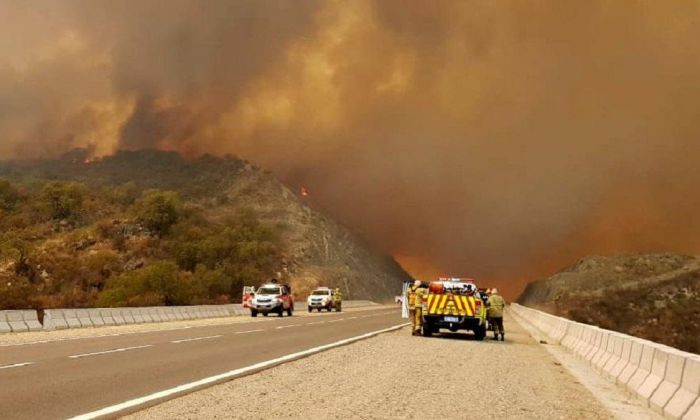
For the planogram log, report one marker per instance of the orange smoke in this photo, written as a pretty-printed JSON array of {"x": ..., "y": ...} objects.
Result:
[{"x": 498, "y": 140}]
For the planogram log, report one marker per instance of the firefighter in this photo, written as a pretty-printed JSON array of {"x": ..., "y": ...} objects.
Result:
[
  {"x": 495, "y": 312},
  {"x": 338, "y": 298},
  {"x": 414, "y": 306}
]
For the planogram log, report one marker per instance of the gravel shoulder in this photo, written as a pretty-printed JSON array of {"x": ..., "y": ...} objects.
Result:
[
  {"x": 14, "y": 339},
  {"x": 396, "y": 375}
]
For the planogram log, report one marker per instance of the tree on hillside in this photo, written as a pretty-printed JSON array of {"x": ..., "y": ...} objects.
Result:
[
  {"x": 157, "y": 284},
  {"x": 9, "y": 196},
  {"x": 158, "y": 210},
  {"x": 63, "y": 200}
]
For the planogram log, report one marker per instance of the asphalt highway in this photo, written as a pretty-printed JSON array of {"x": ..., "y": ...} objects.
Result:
[{"x": 61, "y": 379}]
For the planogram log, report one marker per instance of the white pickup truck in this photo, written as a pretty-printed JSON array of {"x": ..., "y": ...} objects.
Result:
[{"x": 323, "y": 298}]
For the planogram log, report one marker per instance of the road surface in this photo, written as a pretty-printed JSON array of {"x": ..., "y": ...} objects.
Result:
[{"x": 61, "y": 379}]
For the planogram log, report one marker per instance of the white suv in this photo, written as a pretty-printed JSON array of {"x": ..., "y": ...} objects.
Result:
[{"x": 322, "y": 298}]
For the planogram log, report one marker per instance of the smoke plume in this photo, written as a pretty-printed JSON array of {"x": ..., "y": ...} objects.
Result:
[{"x": 500, "y": 140}]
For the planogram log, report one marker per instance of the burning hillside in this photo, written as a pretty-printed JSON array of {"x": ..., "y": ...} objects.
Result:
[
  {"x": 152, "y": 228},
  {"x": 492, "y": 139}
]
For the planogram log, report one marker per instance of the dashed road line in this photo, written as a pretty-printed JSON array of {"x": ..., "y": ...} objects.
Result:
[
  {"x": 316, "y": 323},
  {"x": 288, "y": 326},
  {"x": 187, "y": 340},
  {"x": 16, "y": 365},
  {"x": 248, "y": 332},
  {"x": 78, "y": 356}
]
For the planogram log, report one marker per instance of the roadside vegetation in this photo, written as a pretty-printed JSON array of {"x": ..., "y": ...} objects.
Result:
[
  {"x": 654, "y": 296},
  {"x": 107, "y": 240}
]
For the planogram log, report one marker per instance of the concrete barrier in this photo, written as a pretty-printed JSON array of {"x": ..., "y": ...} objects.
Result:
[
  {"x": 95, "y": 317},
  {"x": 656, "y": 375},
  {"x": 31, "y": 319},
  {"x": 58, "y": 319},
  {"x": 84, "y": 317},
  {"x": 667, "y": 379},
  {"x": 688, "y": 394},
  {"x": 670, "y": 383},
  {"x": 615, "y": 345},
  {"x": 4, "y": 325},
  {"x": 624, "y": 359},
  {"x": 633, "y": 363},
  {"x": 127, "y": 315},
  {"x": 139, "y": 315},
  {"x": 16, "y": 321},
  {"x": 107, "y": 318},
  {"x": 71, "y": 317},
  {"x": 118, "y": 316}
]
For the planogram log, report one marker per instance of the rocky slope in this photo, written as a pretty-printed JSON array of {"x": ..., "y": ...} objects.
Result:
[{"x": 654, "y": 296}]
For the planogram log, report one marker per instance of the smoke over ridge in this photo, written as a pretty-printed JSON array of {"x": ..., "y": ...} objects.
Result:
[{"x": 495, "y": 139}]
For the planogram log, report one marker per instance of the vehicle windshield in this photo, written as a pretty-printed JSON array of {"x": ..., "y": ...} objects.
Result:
[
  {"x": 321, "y": 292},
  {"x": 269, "y": 291}
]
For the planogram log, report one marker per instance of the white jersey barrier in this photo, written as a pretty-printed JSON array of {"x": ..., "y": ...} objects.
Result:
[
  {"x": 667, "y": 379},
  {"x": 60, "y": 319}
]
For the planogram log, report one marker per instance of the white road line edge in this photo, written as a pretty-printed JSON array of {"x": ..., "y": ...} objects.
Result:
[
  {"x": 16, "y": 365},
  {"x": 229, "y": 375},
  {"x": 288, "y": 326},
  {"x": 78, "y": 356},
  {"x": 248, "y": 332},
  {"x": 187, "y": 340}
]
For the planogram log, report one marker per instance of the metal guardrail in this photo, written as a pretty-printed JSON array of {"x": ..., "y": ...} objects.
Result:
[{"x": 667, "y": 379}]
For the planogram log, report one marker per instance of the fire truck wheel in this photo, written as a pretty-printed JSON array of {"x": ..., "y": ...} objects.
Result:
[
  {"x": 480, "y": 333},
  {"x": 427, "y": 330}
]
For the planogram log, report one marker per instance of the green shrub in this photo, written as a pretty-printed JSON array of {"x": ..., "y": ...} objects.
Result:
[
  {"x": 158, "y": 210},
  {"x": 63, "y": 200},
  {"x": 158, "y": 284}
]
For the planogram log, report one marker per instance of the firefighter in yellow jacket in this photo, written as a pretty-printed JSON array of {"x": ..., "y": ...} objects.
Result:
[
  {"x": 415, "y": 309},
  {"x": 338, "y": 299},
  {"x": 496, "y": 304}
]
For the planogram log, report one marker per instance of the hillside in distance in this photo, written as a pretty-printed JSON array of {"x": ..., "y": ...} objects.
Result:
[
  {"x": 653, "y": 296},
  {"x": 154, "y": 228}
]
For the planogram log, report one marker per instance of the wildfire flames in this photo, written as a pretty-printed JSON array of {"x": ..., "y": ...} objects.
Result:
[{"x": 500, "y": 140}]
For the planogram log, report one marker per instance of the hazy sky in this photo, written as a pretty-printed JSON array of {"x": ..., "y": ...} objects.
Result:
[{"x": 496, "y": 139}]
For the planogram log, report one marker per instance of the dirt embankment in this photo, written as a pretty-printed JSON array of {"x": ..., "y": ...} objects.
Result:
[{"x": 654, "y": 296}]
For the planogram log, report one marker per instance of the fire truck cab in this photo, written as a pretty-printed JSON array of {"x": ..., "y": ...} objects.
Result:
[{"x": 454, "y": 304}]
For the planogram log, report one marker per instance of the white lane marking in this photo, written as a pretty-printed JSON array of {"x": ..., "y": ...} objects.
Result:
[
  {"x": 78, "y": 356},
  {"x": 337, "y": 320},
  {"x": 287, "y": 326},
  {"x": 353, "y": 317},
  {"x": 16, "y": 365},
  {"x": 187, "y": 340},
  {"x": 229, "y": 375},
  {"x": 248, "y": 332},
  {"x": 316, "y": 323}
]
